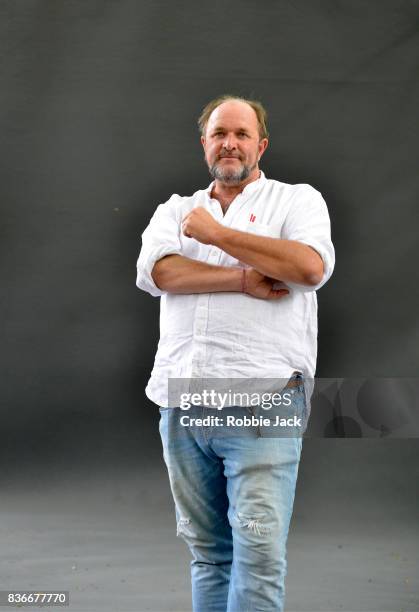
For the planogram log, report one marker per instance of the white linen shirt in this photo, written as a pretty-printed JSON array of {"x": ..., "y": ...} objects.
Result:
[{"x": 232, "y": 334}]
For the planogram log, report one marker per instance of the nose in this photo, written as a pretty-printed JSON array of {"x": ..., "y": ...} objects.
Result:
[{"x": 229, "y": 142}]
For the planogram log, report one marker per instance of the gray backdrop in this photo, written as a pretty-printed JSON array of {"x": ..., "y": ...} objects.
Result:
[{"x": 98, "y": 110}]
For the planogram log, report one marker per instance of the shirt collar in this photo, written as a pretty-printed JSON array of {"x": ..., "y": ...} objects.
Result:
[{"x": 250, "y": 188}]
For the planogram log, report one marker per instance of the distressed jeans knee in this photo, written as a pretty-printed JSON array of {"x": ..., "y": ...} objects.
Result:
[
  {"x": 206, "y": 546},
  {"x": 260, "y": 545},
  {"x": 182, "y": 527}
]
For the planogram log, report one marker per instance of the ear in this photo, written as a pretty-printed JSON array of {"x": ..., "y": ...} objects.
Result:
[
  {"x": 263, "y": 144},
  {"x": 203, "y": 141}
]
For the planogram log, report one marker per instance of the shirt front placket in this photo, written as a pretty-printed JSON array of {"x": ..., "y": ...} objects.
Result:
[{"x": 203, "y": 300}]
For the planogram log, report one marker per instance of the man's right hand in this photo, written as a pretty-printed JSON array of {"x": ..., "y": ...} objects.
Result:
[{"x": 260, "y": 286}]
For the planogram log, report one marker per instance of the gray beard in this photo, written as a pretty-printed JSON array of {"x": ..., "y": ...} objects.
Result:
[{"x": 230, "y": 177}]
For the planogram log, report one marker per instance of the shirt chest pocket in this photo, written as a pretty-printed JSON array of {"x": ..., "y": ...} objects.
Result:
[{"x": 260, "y": 229}]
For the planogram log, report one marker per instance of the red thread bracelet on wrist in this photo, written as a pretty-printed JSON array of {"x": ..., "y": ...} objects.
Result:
[{"x": 244, "y": 281}]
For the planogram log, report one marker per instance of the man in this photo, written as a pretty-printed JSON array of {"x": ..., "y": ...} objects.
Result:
[{"x": 237, "y": 266}]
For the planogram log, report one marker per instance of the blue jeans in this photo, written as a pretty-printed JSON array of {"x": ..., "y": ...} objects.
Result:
[{"x": 234, "y": 495}]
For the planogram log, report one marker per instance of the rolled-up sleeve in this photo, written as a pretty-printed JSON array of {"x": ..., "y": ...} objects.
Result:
[
  {"x": 160, "y": 238},
  {"x": 308, "y": 222}
]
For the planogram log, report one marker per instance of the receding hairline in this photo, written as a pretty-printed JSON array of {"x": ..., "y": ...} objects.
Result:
[
  {"x": 255, "y": 105},
  {"x": 240, "y": 102}
]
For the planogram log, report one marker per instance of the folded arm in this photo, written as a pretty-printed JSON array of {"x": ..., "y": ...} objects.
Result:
[
  {"x": 161, "y": 267},
  {"x": 285, "y": 260},
  {"x": 304, "y": 260},
  {"x": 179, "y": 274}
]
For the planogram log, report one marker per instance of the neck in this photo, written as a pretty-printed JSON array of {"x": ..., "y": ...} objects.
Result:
[{"x": 226, "y": 193}]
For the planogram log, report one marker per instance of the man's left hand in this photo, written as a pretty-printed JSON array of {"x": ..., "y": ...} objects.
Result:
[{"x": 202, "y": 226}]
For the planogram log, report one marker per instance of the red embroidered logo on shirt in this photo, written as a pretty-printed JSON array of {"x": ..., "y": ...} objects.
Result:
[{"x": 252, "y": 218}]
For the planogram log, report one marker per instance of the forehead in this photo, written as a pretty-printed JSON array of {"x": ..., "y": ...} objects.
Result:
[{"x": 233, "y": 114}]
